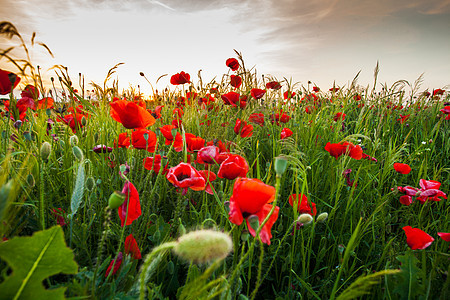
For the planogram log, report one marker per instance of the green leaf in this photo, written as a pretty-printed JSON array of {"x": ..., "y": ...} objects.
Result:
[
  {"x": 409, "y": 282},
  {"x": 33, "y": 259},
  {"x": 5, "y": 197},
  {"x": 77, "y": 195}
]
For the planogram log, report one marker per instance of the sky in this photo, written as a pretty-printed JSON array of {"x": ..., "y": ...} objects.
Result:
[{"x": 323, "y": 41}]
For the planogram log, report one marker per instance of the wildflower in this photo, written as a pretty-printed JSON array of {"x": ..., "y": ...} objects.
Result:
[
  {"x": 232, "y": 63},
  {"x": 334, "y": 89},
  {"x": 430, "y": 191},
  {"x": 232, "y": 167},
  {"x": 303, "y": 206},
  {"x": 153, "y": 163},
  {"x": 30, "y": 91},
  {"x": 131, "y": 205},
  {"x": 257, "y": 93},
  {"x": 416, "y": 238},
  {"x": 235, "y": 81},
  {"x": 167, "y": 132},
  {"x": 123, "y": 141},
  {"x": 347, "y": 148},
  {"x": 445, "y": 236},
  {"x": 116, "y": 265},
  {"x": 8, "y": 82},
  {"x": 230, "y": 98},
  {"x": 286, "y": 132},
  {"x": 209, "y": 177},
  {"x": 193, "y": 142},
  {"x": 102, "y": 149},
  {"x": 144, "y": 139},
  {"x": 186, "y": 176},
  {"x": 130, "y": 115},
  {"x": 45, "y": 103},
  {"x": 288, "y": 95},
  {"x": 180, "y": 78},
  {"x": 273, "y": 85},
  {"x": 243, "y": 129},
  {"x": 446, "y": 110},
  {"x": 406, "y": 200},
  {"x": 438, "y": 92},
  {"x": 252, "y": 197},
  {"x": 208, "y": 154},
  {"x": 257, "y": 118},
  {"x": 132, "y": 248},
  {"x": 402, "y": 168},
  {"x": 59, "y": 215},
  {"x": 346, "y": 174},
  {"x": 157, "y": 112},
  {"x": 403, "y": 119},
  {"x": 316, "y": 89},
  {"x": 280, "y": 117},
  {"x": 339, "y": 116}
]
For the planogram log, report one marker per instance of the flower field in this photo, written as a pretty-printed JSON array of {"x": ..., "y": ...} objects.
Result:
[{"x": 247, "y": 187}]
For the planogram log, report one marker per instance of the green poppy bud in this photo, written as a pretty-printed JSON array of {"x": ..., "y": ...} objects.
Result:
[
  {"x": 78, "y": 153},
  {"x": 280, "y": 165},
  {"x": 116, "y": 199},
  {"x": 46, "y": 150},
  {"x": 83, "y": 121},
  {"x": 90, "y": 183},
  {"x": 73, "y": 140},
  {"x": 30, "y": 180},
  {"x": 305, "y": 219},
  {"x": 203, "y": 246},
  {"x": 322, "y": 217},
  {"x": 253, "y": 220}
]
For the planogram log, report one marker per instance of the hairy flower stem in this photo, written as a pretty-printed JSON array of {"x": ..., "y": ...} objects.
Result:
[
  {"x": 100, "y": 247},
  {"x": 41, "y": 195}
]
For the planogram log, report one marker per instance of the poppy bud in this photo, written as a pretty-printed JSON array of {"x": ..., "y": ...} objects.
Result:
[
  {"x": 73, "y": 140},
  {"x": 17, "y": 124},
  {"x": 46, "y": 149},
  {"x": 181, "y": 229},
  {"x": 116, "y": 199},
  {"x": 77, "y": 152},
  {"x": 90, "y": 183},
  {"x": 253, "y": 221},
  {"x": 244, "y": 235},
  {"x": 226, "y": 204},
  {"x": 62, "y": 143},
  {"x": 27, "y": 136},
  {"x": 83, "y": 121},
  {"x": 48, "y": 111},
  {"x": 280, "y": 165},
  {"x": 203, "y": 246},
  {"x": 30, "y": 180},
  {"x": 322, "y": 217},
  {"x": 305, "y": 219},
  {"x": 96, "y": 137}
]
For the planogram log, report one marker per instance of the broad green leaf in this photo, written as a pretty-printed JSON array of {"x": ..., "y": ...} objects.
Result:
[
  {"x": 33, "y": 259},
  {"x": 410, "y": 283},
  {"x": 5, "y": 195},
  {"x": 77, "y": 195}
]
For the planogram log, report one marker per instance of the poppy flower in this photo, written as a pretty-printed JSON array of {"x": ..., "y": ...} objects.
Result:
[
  {"x": 132, "y": 248},
  {"x": 139, "y": 141},
  {"x": 257, "y": 118},
  {"x": 102, "y": 149},
  {"x": 233, "y": 166},
  {"x": 243, "y": 129},
  {"x": 286, "y": 132},
  {"x": 59, "y": 215},
  {"x": 303, "y": 206},
  {"x": 130, "y": 115},
  {"x": 339, "y": 116},
  {"x": 446, "y": 110},
  {"x": 438, "y": 92},
  {"x": 232, "y": 63},
  {"x": 26, "y": 102},
  {"x": 445, "y": 236},
  {"x": 347, "y": 148},
  {"x": 273, "y": 85},
  {"x": 257, "y": 93},
  {"x": 177, "y": 113},
  {"x": 416, "y": 238},
  {"x": 357, "y": 97},
  {"x": 316, "y": 89},
  {"x": 403, "y": 119},
  {"x": 177, "y": 142},
  {"x": 235, "y": 81},
  {"x": 73, "y": 121},
  {"x": 8, "y": 82},
  {"x": 243, "y": 101},
  {"x": 208, "y": 154},
  {"x": 230, "y": 98},
  {"x": 430, "y": 191},
  {"x": 280, "y": 117},
  {"x": 402, "y": 168},
  {"x": 45, "y": 103},
  {"x": 157, "y": 112},
  {"x": 116, "y": 265},
  {"x": 252, "y": 197},
  {"x": 186, "y": 176},
  {"x": 334, "y": 89},
  {"x": 180, "y": 78},
  {"x": 30, "y": 91},
  {"x": 131, "y": 205},
  {"x": 288, "y": 95},
  {"x": 153, "y": 163},
  {"x": 193, "y": 142},
  {"x": 406, "y": 200},
  {"x": 123, "y": 141},
  {"x": 208, "y": 176}
]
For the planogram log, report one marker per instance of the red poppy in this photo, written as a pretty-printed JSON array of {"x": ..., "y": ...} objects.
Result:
[
  {"x": 230, "y": 98},
  {"x": 157, "y": 112},
  {"x": 445, "y": 236},
  {"x": 45, "y": 103},
  {"x": 131, "y": 205},
  {"x": 280, "y": 117},
  {"x": 316, "y": 89},
  {"x": 273, "y": 85},
  {"x": 208, "y": 154},
  {"x": 347, "y": 148},
  {"x": 177, "y": 113},
  {"x": 130, "y": 115},
  {"x": 116, "y": 265},
  {"x": 251, "y": 197},
  {"x": 257, "y": 118},
  {"x": 286, "y": 132},
  {"x": 193, "y": 142},
  {"x": 73, "y": 121},
  {"x": 26, "y": 102},
  {"x": 139, "y": 142},
  {"x": 166, "y": 131},
  {"x": 334, "y": 89},
  {"x": 123, "y": 141},
  {"x": 357, "y": 97},
  {"x": 257, "y": 93},
  {"x": 186, "y": 176},
  {"x": 8, "y": 82},
  {"x": 208, "y": 176},
  {"x": 406, "y": 200},
  {"x": 219, "y": 144},
  {"x": 403, "y": 119},
  {"x": 339, "y": 116},
  {"x": 430, "y": 191},
  {"x": 30, "y": 91},
  {"x": 132, "y": 248},
  {"x": 180, "y": 78},
  {"x": 235, "y": 81},
  {"x": 243, "y": 101},
  {"x": 446, "y": 110},
  {"x": 232, "y": 63},
  {"x": 437, "y": 92},
  {"x": 416, "y": 238},
  {"x": 303, "y": 206},
  {"x": 243, "y": 129},
  {"x": 402, "y": 168},
  {"x": 288, "y": 95},
  {"x": 233, "y": 166},
  {"x": 59, "y": 215},
  {"x": 153, "y": 163}
]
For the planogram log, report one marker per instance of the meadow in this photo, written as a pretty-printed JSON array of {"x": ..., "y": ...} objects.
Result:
[{"x": 246, "y": 187}]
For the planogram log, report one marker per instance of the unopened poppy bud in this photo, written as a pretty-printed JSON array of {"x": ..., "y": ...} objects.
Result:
[
  {"x": 244, "y": 235},
  {"x": 226, "y": 204},
  {"x": 78, "y": 153},
  {"x": 322, "y": 217},
  {"x": 305, "y": 219},
  {"x": 90, "y": 183},
  {"x": 73, "y": 140},
  {"x": 254, "y": 222},
  {"x": 17, "y": 124},
  {"x": 145, "y": 135},
  {"x": 30, "y": 180},
  {"x": 181, "y": 229},
  {"x": 62, "y": 144},
  {"x": 96, "y": 137},
  {"x": 27, "y": 136},
  {"x": 280, "y": 165},
  {"x": 46, "y": 149},
  {"x": 83, "y": 121},
  {"x": 116, "y": 199},
  {"x": 203, "y": 246}
]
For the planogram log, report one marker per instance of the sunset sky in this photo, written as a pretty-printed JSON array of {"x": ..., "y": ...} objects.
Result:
[{"x": 321, "y": 41}]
